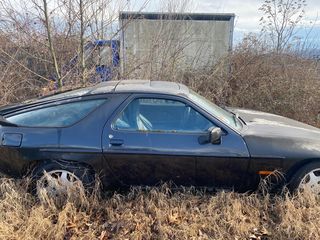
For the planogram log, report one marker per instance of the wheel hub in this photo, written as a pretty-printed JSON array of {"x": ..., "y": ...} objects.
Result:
[
  {"x": 57, "y": 183},
  {"x": 311, "y": 182}
]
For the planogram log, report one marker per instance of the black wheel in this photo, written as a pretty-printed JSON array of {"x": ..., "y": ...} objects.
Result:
[
  {"x": 53, "y": 179},
  {"x": 307, "y": 178}
]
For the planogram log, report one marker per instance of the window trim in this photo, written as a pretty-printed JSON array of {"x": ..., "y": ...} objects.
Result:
[
  {"x": 57, "y": 103},
  {"x": 185, "y": 101}
]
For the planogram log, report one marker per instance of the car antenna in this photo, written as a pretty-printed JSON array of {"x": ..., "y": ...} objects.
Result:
[{"x": 114, "y": 89}]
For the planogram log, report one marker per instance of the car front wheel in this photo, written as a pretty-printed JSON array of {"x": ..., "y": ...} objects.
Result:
[{"x": 307, "y": 178}]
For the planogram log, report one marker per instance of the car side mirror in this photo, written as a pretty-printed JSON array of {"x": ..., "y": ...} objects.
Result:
[{"x": 215, "y": 135}]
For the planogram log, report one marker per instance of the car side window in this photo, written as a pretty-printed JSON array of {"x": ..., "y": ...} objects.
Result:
[
  {"x": 161, "y": 115},
  {"x": 61, "y": 115}
]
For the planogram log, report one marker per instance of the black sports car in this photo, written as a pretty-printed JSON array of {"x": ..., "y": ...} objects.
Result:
[{"x": 138, "y": 132}]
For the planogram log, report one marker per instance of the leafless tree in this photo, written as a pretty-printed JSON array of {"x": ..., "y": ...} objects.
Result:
[
  {"x": 46, "y": 34},
  {"x": 280, "y": 20},
  {"x": 47, "y": 23}
]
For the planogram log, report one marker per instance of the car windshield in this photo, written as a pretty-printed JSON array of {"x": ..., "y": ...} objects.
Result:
[{"x": 223, "y": 115}]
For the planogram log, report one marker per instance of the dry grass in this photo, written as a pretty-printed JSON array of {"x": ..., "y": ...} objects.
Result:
[{"x": 159, "y": 213}]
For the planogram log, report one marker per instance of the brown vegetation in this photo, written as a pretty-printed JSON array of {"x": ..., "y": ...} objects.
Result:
[
  {"x": 159, "y": 213},
  {"x": 285, "y": 84}
]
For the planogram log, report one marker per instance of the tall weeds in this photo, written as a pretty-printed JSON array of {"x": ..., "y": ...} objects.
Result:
[{"x": 159, "y": 213}]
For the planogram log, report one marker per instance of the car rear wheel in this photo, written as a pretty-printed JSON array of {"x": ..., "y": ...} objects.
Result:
[
  {"x": 55, "y": 180},
  {"x": 307, "y": 178}
]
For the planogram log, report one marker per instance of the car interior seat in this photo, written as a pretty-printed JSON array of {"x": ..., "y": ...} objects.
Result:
[{"x": 134, "y": 118}]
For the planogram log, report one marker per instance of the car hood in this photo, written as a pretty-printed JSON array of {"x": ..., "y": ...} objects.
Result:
[{"x": 270, "y": 134}]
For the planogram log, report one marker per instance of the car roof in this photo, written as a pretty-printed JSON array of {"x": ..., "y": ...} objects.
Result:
[
  {"x": 120, "y": 86},
  {"x": 141, "y": 86}
]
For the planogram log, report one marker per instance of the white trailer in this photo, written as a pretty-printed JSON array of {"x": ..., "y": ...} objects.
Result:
[{"x": 154, "y": 42}]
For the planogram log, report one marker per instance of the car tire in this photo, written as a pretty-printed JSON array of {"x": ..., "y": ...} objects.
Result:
[
  {"x": 65, "y": 175},
  {"x": 307, "y": 177}
]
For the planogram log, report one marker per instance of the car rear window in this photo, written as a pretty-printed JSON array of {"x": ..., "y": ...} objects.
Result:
[
  {"x": 60, "y": 95},
  {"x": 61, "y": 115}
]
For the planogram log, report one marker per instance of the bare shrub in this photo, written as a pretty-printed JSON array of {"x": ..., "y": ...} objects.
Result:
[
  {"x": 160, "y": 213},
  {"x": 16, "y": 81},
  {"x": 285, "y": 84}
]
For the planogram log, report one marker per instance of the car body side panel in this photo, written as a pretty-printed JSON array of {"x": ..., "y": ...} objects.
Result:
[
  {"x": 149, "y": 170},
  {"x": 282, "y": 147},
  {"x": 280, "y": 153},
  {"x": 266, "y": 164},
  {"x": 13, "y": 160},
  {"x": 278, "y": 143},
  {"x": 78, "y": 143},
  {"x": 225, "y": 168},
  {"x": 82, "y": 142},
  {"x": 137, "y": 162}
]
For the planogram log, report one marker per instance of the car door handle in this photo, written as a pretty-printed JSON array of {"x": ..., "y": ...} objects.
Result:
[{"x": 116, "y": 142}]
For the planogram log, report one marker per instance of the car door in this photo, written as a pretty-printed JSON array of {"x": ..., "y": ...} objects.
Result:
[
  {"x": 154, "y": 138},
  {"x": 142, "y": 146},
  {"x": 223, "y": 164}
]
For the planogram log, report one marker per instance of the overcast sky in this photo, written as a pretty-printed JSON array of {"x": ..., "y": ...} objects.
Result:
[{"x": 247, "y": 14}]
